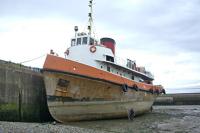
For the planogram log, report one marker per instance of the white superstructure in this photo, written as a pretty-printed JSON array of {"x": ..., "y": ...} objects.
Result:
[{"x": 87, "y": 50}]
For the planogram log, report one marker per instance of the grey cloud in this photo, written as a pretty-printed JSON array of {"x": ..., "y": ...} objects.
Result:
[
  {"x": 157, "y": 25},
  {"x": 42, "y": 8}
]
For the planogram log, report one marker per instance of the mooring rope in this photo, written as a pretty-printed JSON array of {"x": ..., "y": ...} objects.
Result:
[{"x": 32, "y": 59}]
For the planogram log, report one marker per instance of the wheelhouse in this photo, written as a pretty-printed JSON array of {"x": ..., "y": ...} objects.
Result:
[{"x": 83, "y": 39}]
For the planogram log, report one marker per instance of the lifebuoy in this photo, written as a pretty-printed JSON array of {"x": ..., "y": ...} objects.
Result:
[
  {"x": 67, "y": 52},
  {"x": 93, "y": 49}
]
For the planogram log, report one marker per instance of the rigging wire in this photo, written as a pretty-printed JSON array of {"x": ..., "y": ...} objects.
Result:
[{"x": 32, "y": 59}]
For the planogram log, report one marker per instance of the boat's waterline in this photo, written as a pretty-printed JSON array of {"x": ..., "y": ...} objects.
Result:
[{"x": 78, "y": 111}]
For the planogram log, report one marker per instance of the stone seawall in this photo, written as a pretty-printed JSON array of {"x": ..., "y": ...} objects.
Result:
[
  {"x": 178, "y": 99},
  {"x": 22, "y": 93}
]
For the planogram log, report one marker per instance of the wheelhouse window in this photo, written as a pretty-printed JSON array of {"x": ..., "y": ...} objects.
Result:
[
  {"x": 109, "y": 58},
  {"x": 84, "y": 40},
  {"x": 91, "y": 41},
  {"x": 73, "y": 41},
  {"x": 78, "y": 41}
]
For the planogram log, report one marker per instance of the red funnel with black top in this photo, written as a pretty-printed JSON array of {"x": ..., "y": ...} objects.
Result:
[{"x": 109, "y": 43}]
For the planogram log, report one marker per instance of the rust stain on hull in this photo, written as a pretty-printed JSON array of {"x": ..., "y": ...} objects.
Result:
[{"x": 75, "y": 98}]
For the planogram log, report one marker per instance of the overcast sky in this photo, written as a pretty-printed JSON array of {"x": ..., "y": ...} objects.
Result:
[{"x": 162, "y": 35}]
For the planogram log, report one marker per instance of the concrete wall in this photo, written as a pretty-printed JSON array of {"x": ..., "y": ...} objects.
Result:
[
  {"x": 22, "y": 93},
  {"x": 178, "y": 99}
]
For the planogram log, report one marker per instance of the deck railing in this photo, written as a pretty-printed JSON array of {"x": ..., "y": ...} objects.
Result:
[{"x": 124, "y": 63}]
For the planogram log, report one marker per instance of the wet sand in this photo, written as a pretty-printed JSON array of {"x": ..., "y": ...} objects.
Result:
[{"x": 163, "y": 119}]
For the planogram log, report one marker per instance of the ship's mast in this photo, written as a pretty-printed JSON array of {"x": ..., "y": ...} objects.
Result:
[{"x": 90, "y": 21}]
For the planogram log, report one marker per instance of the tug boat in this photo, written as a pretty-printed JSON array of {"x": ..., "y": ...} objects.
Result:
[{"x": 91, "y": 83}]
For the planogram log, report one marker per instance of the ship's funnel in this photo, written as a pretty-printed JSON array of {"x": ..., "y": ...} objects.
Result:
[{"x": 109, "y": 43}]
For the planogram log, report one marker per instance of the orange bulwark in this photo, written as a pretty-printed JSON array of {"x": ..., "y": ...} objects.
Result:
[{"x": 55, "y": 63}]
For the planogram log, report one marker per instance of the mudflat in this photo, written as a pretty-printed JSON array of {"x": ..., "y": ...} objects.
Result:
[{"x": 162, "y": 119}]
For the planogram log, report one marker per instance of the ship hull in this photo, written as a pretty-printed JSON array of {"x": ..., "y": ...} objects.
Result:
[{"x": 73, "y": 97}]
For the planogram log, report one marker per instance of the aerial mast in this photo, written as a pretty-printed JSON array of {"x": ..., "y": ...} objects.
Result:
[{"x": 90, "y": 18}]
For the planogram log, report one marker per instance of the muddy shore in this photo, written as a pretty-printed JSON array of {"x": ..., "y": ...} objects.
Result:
[
  {"x": 21, "y": 127},
  {"x": 163, "y": 119}
]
